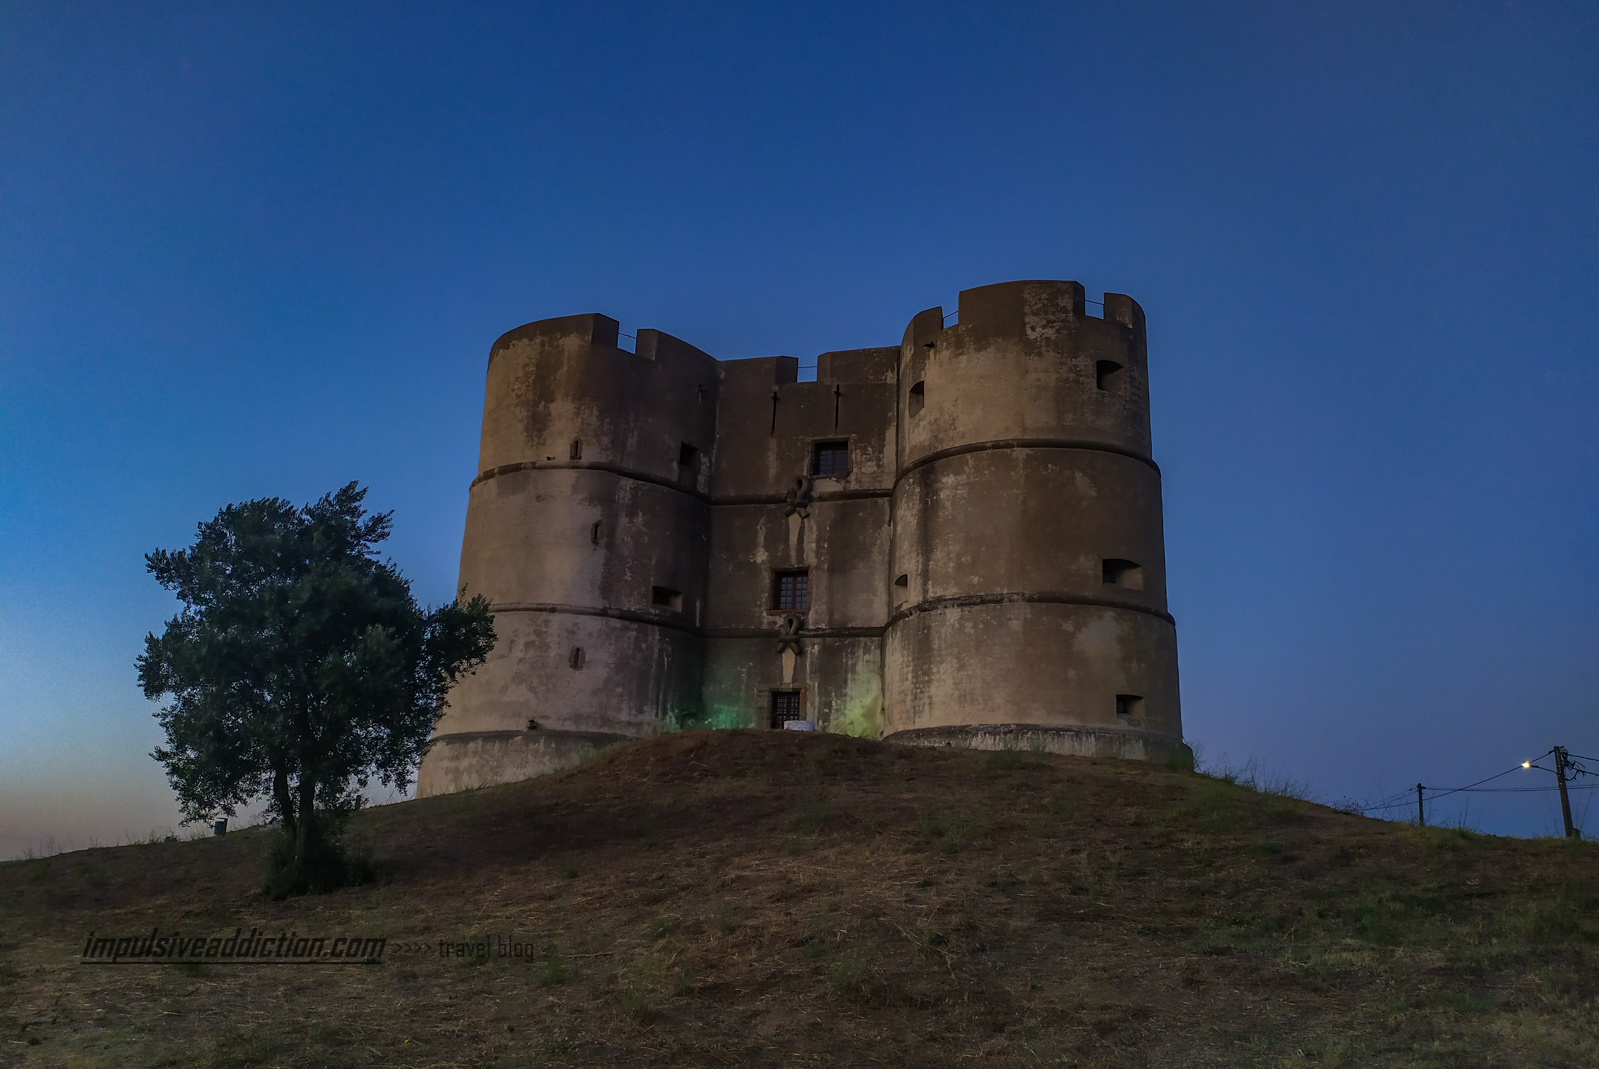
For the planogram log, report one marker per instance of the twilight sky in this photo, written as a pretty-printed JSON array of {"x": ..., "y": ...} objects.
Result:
[{"x": 252, "y": 250}]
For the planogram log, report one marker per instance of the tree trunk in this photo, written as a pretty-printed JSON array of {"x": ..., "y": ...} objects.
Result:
[
  {"x": 305, "y": 827},
  {"x": 285, "y": 800}
]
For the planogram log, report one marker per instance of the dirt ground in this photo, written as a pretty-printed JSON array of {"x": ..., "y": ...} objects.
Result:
[{"x": 785, "y": 899}]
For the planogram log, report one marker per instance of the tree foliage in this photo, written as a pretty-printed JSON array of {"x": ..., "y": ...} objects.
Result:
[{"x": 300, "y": 667}]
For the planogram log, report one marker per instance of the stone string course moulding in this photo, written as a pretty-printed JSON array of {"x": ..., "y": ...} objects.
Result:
[{"x": 984, "y": 566}]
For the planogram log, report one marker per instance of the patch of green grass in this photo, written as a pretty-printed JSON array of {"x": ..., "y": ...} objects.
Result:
[
  {"x": 1048, "y": 820},
  {"x": 812, "y": 815},
  {"x": 554, "y": 971},
  {"x": 818, "y": 763},
  {"x": 1450, "y": 840},
  {"x": 645, "y": 979},
  {"x": 90, "y": 874},
  {"x": 1065, "y": 806},
  {"x": 1464, "y": 1002},
  {"x": 1373, "y": 919},
  {"x": 1004, "y": 880},
  {"x": 726, "y": 919},
  {"x": 815, "y": 944},
  {"x": 319, "y": 866},
  {"x": 1281, "y": 809},
  {"x": 949, "y": 831},
  {"x": 1215, "y": 807},
  {"x": 846, "y": 977},
  {"x": 568, "y": 869},
  {"x": 321, "y": 1035},
  {"x": 1387, "y": 917},
  {"x": 637, "y": 1005},
  {"x": 1224, "y": 806},
  {"x": 1562, "y": 913},
  {"x": 998, "y": 764},
  {"x": 1182, "y": 759},
  {"x": 560, "y": 1041},
  {"x": 233, "y": 1046}
]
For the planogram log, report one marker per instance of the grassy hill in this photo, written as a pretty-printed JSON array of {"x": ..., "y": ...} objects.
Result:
[{"x": 783, "y": 899}]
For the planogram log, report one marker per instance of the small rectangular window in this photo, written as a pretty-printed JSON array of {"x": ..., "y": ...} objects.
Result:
[
  {"x": 785, "y": 707},
  {"x": 1129, "y": 707},
  {"x": 595, "y": 531},
  {"x": 577, "y": 449},
  {"x": 830, "y": 458},
  {"x": 667, "y": 598},
  {"x": 1107, "y": 374},
  {"x": 791, "y": 591},
  {"x": 688, "y": 464},
  {"x": 918, "y": 398},
  {"x": 578, "y": 657},
  {"x": 1117, "y": 572}
]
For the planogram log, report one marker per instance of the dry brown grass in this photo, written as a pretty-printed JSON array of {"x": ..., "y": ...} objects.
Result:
[{"x": 781, "y": 899}]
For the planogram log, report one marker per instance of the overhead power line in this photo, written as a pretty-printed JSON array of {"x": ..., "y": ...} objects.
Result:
[{"x": 1566, "y": 767}]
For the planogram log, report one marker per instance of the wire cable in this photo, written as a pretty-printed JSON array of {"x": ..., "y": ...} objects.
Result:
[
  {"x": 1526, "y": 790},
  {"x": 1402, "y": 798},
  {"x": 1443, "y": 792}
]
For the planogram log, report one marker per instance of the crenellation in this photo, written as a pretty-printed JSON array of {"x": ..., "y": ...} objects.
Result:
[
  {"x": 658, "y": 345},
  {"x": 1120, "y": 308},
  {"x": 955, "y": 540},
  {"x": 859, "y": 366}
]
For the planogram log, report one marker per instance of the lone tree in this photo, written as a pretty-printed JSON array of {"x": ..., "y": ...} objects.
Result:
[{"x": 299, "y": 669}]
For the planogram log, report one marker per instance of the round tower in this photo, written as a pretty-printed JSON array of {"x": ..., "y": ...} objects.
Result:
[
  {"x": 587, "y": 530},
  {"x": 1028, "y": 574}
]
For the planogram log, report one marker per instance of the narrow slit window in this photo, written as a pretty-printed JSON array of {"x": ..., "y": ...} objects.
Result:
[
  {"x": 1129, "y": 707},
  {"x": 1118, "y": 572},
  {"x": 1107, "y": 375},
  {"x": 578, "y": 657},
  {"x": 577, "y": 449},
  {"x": 830, "y": 458},
  {"x": 664, "y": 597},
  {"x": 918, "y": 397},
  {"x": 785, "y": 707},
  {"x": 791, "y": 591},
  {"x": 594, "y": 532}
]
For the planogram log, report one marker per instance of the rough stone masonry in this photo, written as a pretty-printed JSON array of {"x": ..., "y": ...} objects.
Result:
[{"x": 955, "y": 540}]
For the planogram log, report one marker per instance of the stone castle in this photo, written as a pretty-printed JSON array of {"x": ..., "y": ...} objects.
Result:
[{"x": 955, "y": 540}]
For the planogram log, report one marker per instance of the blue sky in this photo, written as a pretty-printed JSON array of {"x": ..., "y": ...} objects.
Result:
[{"x": 252, "y": 250}]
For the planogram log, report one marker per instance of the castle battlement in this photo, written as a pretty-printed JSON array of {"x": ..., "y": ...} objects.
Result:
[{"x": 952, "y": 540}]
